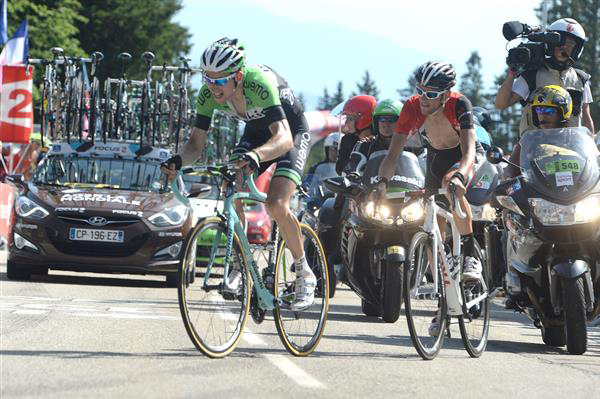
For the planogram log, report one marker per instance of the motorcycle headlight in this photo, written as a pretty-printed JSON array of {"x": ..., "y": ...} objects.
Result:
[
  {"x": 484, "y": 212},
  {"x": 379, "y": 213},
  {"x": 26, "y": 208},
  {"x": 549, "y": 213},
  {"x": 509, "y": 203},
  {"x": 413, "y": 212},
  {"x": 170, "y": 216}
]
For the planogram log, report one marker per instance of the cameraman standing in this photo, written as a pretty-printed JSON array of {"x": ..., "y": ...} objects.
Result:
[{"x": 557, "y": 69}]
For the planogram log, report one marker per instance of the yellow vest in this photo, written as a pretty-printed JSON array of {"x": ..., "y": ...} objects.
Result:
[{"x": 568, "y": 79}]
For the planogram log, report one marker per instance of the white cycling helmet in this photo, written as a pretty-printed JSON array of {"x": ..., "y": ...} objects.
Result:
[
  {"x": 224, "y": 55},
  {"x": 333, "y": 140},
  {"x": 439, "y": 75},
  {"x": 570, "y": 27}
]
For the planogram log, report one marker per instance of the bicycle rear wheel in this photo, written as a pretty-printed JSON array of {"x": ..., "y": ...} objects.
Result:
[
  {"x": 214, "y": 315},
  {"x": 423, "y": 300},
  {"x": 475, "y": 324},
  {"x": 301, "y": 331}
]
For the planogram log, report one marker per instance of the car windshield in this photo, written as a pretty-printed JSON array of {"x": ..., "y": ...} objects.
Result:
[
  {"x": 252, "y": 206},
  {"x": 121, "y": 174}
]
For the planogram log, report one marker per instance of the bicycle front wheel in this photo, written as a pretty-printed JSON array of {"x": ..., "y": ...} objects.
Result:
[
  {"x": 214, "y": 307},
  {"x": 301, "y": 331},
  {"x": 424, "y": 301},
  {"x": 475, "y": 323}
]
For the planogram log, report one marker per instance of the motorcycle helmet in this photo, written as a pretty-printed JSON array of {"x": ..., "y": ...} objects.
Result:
[
  {"x": 482, "y": 118},
  {"x": 437, "y": 75},
  {"x": 333, "y": 140},
  {"x": 361, "y": 107},
  {"x": 224, "y": 55},
  {"x": 385, "y": 108},
  {"x": 552, "y": 96},
  {"x": 568, "y": 27}
]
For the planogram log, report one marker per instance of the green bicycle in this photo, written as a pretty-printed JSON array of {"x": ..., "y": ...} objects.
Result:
[{"x": 219, "y": 283}]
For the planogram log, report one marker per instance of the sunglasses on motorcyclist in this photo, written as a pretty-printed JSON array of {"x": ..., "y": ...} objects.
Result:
[
  {"x": 429, "y": 94},
  {"x": 389, "y": 118},
  {"x": 217, "y": 81},
  {"x": 546, "y": 110}
]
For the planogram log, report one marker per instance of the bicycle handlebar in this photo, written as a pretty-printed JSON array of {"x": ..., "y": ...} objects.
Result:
[{"x": 427, "y": 193}]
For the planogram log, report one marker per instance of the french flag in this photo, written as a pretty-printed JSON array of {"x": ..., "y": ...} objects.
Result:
[
  {"x": 3, "y": 24},
  {"x": 15, "y": 51}
]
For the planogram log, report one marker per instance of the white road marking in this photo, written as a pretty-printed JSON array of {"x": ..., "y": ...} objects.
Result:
[
  {"x": 295, "y": 373},
  {"x": 252, "y": 338},
  {"x": 30, "y": 312}
]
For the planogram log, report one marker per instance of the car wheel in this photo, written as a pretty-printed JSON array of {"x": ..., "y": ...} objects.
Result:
[
  {"x": 171, "y": 280},
  {"x": 15, "y": 271}
]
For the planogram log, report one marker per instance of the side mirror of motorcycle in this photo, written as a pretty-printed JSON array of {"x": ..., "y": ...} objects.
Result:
[
  {"x": 494, "y": 155},
  {"x": 336, "y": 184},
  {"x": 200, "y": 190}
]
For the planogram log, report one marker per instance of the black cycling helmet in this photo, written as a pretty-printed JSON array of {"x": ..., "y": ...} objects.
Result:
[
  {"x": 438, "y": 75},
  {"x": 483, "y": 118}
]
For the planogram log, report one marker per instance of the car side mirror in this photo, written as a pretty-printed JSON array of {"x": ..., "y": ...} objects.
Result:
[
  {"x": 200, "y": 190},
  {"x": 494, "y": 155}
]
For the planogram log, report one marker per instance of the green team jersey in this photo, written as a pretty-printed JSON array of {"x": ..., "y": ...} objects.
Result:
[{"x": 268, "y": 100}]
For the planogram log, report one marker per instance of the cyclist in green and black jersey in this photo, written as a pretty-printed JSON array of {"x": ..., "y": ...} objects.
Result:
[{"x": 275, "y": 132}]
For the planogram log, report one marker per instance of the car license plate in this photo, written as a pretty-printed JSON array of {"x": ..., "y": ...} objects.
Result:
[{"x": 96, "y": 235}]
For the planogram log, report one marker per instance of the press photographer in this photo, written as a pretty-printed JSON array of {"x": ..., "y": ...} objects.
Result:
[{"x": 546, "y": 58}]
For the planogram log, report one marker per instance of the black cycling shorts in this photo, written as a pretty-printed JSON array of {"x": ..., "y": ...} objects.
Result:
[{"x": 290, "y": 164}]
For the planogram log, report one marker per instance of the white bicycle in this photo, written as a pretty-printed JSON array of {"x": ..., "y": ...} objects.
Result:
[{"x": 433, "y": 286}]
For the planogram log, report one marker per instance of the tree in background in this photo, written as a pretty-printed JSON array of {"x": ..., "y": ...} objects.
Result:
[
  {"x": 471, "y": 82},
  {"x": 327, "y": 102},
  {"x": 367, "y": 86},
  {"x": 133, "y": 26},
  {"x": 409, "y": 90},
  {"x": 587, "y": 13}
]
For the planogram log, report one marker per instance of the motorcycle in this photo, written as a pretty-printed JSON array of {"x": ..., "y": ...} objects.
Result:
[
  {"x": 552, "y": 216},
  {"x": 375, "y": 237}
]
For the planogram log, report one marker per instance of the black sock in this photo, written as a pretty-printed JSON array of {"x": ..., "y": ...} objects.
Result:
[{"x": 468, "y": 245}]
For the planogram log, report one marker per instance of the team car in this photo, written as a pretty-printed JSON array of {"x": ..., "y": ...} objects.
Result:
[{"x": 102, "y": 207}]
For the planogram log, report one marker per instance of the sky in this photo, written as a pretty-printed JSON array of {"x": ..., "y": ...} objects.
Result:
[{"x": 315, "y": 44}]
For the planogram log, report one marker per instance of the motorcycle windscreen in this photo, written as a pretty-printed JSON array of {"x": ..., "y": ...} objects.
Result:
[
  {"x": 408, "y": 175},
  {"x": 560, "y": 164}
]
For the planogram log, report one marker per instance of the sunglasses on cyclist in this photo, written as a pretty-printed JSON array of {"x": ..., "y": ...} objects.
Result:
[
  {"x": 429, "y": 94},
  {"x": 546, "y": 110},
  {"x": 217, "y": 81},
  {"x": 390, "y": 118}
]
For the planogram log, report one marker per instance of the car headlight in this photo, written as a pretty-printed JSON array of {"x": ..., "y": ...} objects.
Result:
[
  {"x": 484, "y": 212},
  {"x": 170, "y": 216},
  {"x": 413, "y": 212},
  {"x": 28, "y": 209},
  {"x": 509, "y": 203},
  {"x": 549, "y": 213},
  {"x": 379, "y": 213},
  {"x": 257, "y": 223}
]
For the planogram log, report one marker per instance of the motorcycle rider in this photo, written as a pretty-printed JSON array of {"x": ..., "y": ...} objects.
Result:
[
  {"x": 357, "y": 118},
  {"x": 276, "y": 131},
  {"x": 552, "y": 107},
  {"x": 557, "y": 70},
  {"x": 385, "y": 117},
  {"x": 322, "y": 170}
]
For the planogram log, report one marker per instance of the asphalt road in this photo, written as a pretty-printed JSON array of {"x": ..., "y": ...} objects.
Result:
[{"x": 69, "y": 335}]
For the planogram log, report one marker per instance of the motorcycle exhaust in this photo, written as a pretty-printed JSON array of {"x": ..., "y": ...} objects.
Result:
[{"x": 541, "y": 314}]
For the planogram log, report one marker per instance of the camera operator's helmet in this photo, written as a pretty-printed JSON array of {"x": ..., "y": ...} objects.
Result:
[
  {"x": 482, "y": 118},
  {"x": 552, "y": 96},
  {"x": 385, "y": 108},
  {"x": 438, "y": 75},
  {"x": 568, "y": 27},
  {"x": 224, "y": 55},
  {"x": 361, "y": 107}
]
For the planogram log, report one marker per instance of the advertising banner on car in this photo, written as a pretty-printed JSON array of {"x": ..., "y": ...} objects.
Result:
[{"x": 16, "y": 105}]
